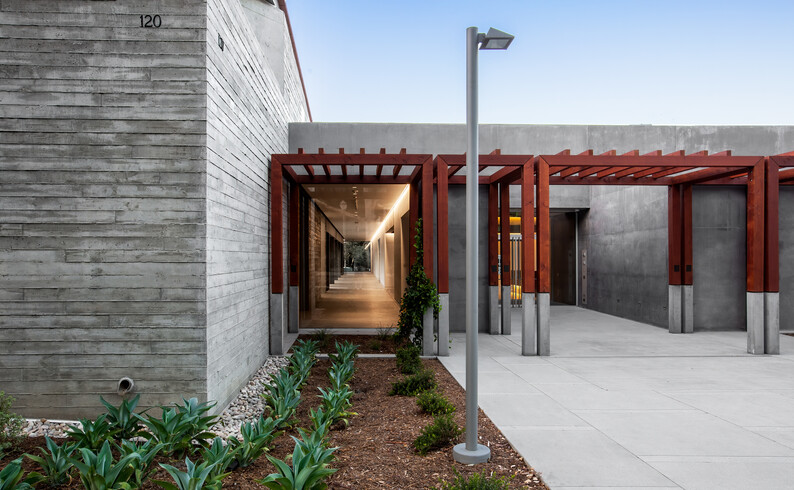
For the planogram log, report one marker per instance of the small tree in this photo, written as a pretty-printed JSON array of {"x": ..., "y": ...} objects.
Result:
[
  {"x": 356, "y": 255},
  {"x": 419, "y": 295}
]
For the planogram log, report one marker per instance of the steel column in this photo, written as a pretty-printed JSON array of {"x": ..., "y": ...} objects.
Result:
[{"x": 504, "y": 249}]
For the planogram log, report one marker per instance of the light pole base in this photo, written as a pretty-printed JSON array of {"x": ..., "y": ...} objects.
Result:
[{"x": 462, "y": 455}]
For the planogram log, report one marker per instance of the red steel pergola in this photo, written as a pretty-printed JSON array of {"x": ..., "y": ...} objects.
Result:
[{"x": 678, "y": 171}]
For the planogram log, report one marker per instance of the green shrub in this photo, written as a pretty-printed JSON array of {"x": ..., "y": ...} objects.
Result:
[
  {"x": 121, "y": 418},
  {"x": 310, "y": 347},
  {"x": 375, "y": 344},
  {"x": 10, "y": 423},
  {"x": 99, "y": 472},
  {"x": 477, "y": 481},
  {"x": 439, "y": 434},
  {"x": 310, "y": 460},
  {"x": 182, "y": 429},
  {"x": 424, "y": 380},
  {"x": 337, "y": 404},
  {"x": 323, "y": 337},
  {"x": 54, "y": 461},
  {"x": 11, "y": 477},
  {"x": 256, "y": 438},
  {"x": 93, "y": 432},
  {"x": 340, "y": 374},
  {"x": 384, "y": 334},
  {"x": 301, "y": 365},
  {"x": 219, "y": 456},
  {"x": 434, "y": 403},
  {"x": 346, "y": 352},
  {"x": 282, "y": 408},
  {"x": 408, "y": 361},
  {"x": 197, "y": 477}
]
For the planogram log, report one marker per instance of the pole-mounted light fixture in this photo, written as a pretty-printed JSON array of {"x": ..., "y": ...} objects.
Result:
[{"x": 471, "y": 452}]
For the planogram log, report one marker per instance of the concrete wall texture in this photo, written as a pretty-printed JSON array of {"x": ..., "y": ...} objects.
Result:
[
  {"x": 625, "y": 230},
  {"x": 133, "y": 189}
]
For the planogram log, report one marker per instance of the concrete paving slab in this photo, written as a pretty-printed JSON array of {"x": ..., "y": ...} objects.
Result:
[
  {"x": 584, "y": 458},
  {"x": 541, "y": 373},
  {"x": 527, "y": 410},
  {"x": 781, "y": 435},
  {"x": 680, "y": 432},
  {"x": 743, "y": 408},
  {"x": 590, "y": 397},
  {"x": 730, "y": 474}
]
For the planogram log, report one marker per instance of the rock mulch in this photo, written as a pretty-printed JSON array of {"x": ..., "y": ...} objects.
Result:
[{"x": 247, "y": 406}]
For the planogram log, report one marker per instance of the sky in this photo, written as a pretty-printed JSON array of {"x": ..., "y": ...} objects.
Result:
[{"x": 572, "y": 62}]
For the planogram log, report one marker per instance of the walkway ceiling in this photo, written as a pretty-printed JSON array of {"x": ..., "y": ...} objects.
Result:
[{"x": 356, "y": 210}]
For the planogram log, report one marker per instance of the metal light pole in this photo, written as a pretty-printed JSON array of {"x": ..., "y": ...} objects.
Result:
[{"x": 471, "y": 452}]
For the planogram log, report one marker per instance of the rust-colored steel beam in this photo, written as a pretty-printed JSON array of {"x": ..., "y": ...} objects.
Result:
[
  {"x": 489, "y": 160},
  {"x": 442, "y": 226},
  {"x": 506, "y": 174},
  {"x": 772, "y": 228},
  {"x": 645, "y": 161},
  {"x": 528, "y": 227},
  {"x": 755, "y": 228},
  {"x": 413, "y": 217},
  {"x": 427, "y": 217},
  {"x": 294, "y": 235},
  {"x": 504, "y": 232},
  {"x": 461, "y": 179},
  {"x": 786, "y": 175},
  {"x": 309, "y": 170},
  {"x": 674, "y": 256},
  {"x": 670, "y": 171},
  {"x": 352, "y": 158},
  {"x": 378, "y": 171},
  {"x": 396, "y": 170},
  {"x": 544, "y": 230},
  {"x": 627, "y": 171},
  {"x": 569, "y": 171},
  {"x": 350, "y": 179},
  {"x": 493, "y": 231},
  {"x": 648, "y": 171},
  {"x": 276, "y": 230},
  {"x": 707, "y": 174},
  {"x": 686, "y": 234},
  {"x": 453, "y": 169}
]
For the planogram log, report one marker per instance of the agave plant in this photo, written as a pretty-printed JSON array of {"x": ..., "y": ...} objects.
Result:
[
  {"x": 220, "y": 456},
  {"x": 54, "y": 461},
  {"x": 121, "y": 418},
  {"x": 11, "y": 477},
  {"x": 283, "y": 383},
  {"x": 310, "y": 347},
  {"x": 99, "y": 472},
  {"x": 196, "y": 477},
  {"x": 345, "y": 352},
  {"x": 180, "y": 432},
  {"x": 282, "y": 408},
  {"x": 143, "y": 467},
  {"x": 256, "y": 438},
  {"x": 321, "y": 419},
  {"x": 340, "y": 374},
  {"x": 310, "y": 460},
  {"x": 337, "y": 403},
  {"x": 301, "y": 365},
  {"x": 93, "y": 432}
]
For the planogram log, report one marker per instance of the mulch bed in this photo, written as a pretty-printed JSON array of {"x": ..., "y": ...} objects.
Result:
[
  {"x": 367, "y": 344},
  {"x": 375, "y": 449}
]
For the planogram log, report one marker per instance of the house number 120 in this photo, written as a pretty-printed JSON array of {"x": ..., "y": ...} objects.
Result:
[{"x": 151, "y": 21}]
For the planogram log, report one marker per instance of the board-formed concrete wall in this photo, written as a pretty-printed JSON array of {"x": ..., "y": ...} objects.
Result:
[
  {"x": 248, "y": 108},
  {"x": 625, "y": 230},
  {"x": 102, "y": 211}
]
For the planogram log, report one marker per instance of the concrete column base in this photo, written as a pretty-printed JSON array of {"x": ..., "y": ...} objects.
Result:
[
  {"x": 443, "y": 325},
  {"x": 294, "y": 311},
  {"x": 428, "y": 340},
  {"x": 687, "y": 309},
  {"x": 544, "y": 330},
  {"x": 494, "y": 326},
  {"x": 529, "y": 338},
  {"x": 772, "y": 323},
  {"x": 674, "y": 316},
  {"x": 277, "y": 324},
  {"x": 755, "y": 323},
  {"x": 506, "y": 310}
]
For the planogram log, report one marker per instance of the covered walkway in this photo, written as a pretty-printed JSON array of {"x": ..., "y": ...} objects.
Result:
[
  {"x": 355, "y": 300},
  {"x": 624, "y": 404}
]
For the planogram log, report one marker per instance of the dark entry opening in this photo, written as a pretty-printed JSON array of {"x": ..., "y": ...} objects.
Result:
[{"x": 563, "y": 258}]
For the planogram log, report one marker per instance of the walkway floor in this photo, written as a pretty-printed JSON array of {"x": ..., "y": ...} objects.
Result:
[
  {"x": 355, "y": 300},
  {"x": 621, "y": 404}
]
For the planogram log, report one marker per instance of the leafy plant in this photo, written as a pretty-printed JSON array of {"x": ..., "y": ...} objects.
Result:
[
  {"x": 323, "y": 337},
  {"x": 282, "y": 383},
  {"x": 181, "y": 429},
  {"x": 337, "y": 404},
  {"x": 340, "y": 374},
  {"x": 196, "y": 477},
  {"x": 310, "y": 460},
  {"x": 345, "y": 353},
  {"x": 256, "y": 438},
  {"x": 121, "y": 418},
  {"x": 434, "y": 403},
  {"x": 143, "y": 467},
  {"x": 375, "y": 344},
  {"x": 384, "y": 334},
  {"x": 54, "y": 461},
  {"x": 310, "y": 347},
  {"x": 420, "y": 294},
  {"x": 477, "y": 481},
  {"x": 10, "y": 423},
  {"x": 424, "y": 380},
  {"x": 11, "y": 477},
  {"x": 321, "y": 419},
  {"x": 408, "y": 361},
  {"x": 301, "y": 366},
  {"x": 99, "y": 472},
  {"x": 441, "y": 433},
  {"x": 93, "y": 432},
  {"x": 220, "y": 456}
]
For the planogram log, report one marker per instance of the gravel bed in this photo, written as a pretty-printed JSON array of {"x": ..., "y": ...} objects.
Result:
[{"x": 247, "y": 406}]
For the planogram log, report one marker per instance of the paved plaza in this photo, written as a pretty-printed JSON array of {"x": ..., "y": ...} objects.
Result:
[{"x": 621, "y": 404}]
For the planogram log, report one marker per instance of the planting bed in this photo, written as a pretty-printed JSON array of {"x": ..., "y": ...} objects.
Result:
[{"x": 375, "y": 449}]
